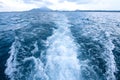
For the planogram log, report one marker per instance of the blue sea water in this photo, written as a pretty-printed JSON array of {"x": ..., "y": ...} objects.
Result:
[{"x": 60, "y": 46}]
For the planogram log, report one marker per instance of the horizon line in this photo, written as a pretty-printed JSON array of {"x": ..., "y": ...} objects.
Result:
[{"x": 67, "y": 11}]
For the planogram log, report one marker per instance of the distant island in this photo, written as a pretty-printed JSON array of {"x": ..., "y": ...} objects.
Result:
[
  {"x": 45, "y": 9},
  {"x": 97, "y": 10},
  {"x": 42, "y": 9}
]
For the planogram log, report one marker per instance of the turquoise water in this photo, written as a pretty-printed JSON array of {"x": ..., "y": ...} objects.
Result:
[{"x": 60, "y": 46}]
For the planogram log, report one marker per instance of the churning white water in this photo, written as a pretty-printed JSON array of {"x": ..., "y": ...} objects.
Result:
[{"x": 62, "y": 62}]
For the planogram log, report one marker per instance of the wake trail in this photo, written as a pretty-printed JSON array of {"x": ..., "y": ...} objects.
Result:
[{"x": 62, "y": 62}]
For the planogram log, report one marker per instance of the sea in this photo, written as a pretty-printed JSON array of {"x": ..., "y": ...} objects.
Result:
[{"x": 59, "y": 45}]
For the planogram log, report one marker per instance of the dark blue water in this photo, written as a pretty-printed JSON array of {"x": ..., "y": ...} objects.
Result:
[{"x": 60, "y": 46}]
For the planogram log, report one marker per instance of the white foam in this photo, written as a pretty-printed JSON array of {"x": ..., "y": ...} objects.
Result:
[
  {"x": 11, "y": 62},
  {"x": 35, "y": 49},
  {"x": 62, "y": 62},
  {"x": 110, "y": 59},
  {"x": 13, "y": 65},
  {"x": 104, "y": 36}
]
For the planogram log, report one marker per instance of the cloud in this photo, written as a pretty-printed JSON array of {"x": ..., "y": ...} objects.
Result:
[
  {"x": 22, "y": 5},
  {"x": 104, "y": 5},
  {"x": 78, "y": 1},
  {"x": 31, "y": 1},
  {"x": 15, "y": 5}
]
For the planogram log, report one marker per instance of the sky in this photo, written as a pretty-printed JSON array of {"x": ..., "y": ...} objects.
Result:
[{"x": 23, "y": 5}]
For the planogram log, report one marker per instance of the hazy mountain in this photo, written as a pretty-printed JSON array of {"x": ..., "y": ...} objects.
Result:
[{"x": 42, "y": 9}]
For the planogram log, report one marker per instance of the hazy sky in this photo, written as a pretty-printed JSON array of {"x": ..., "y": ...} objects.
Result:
[{"x": 22, "y": 5}]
